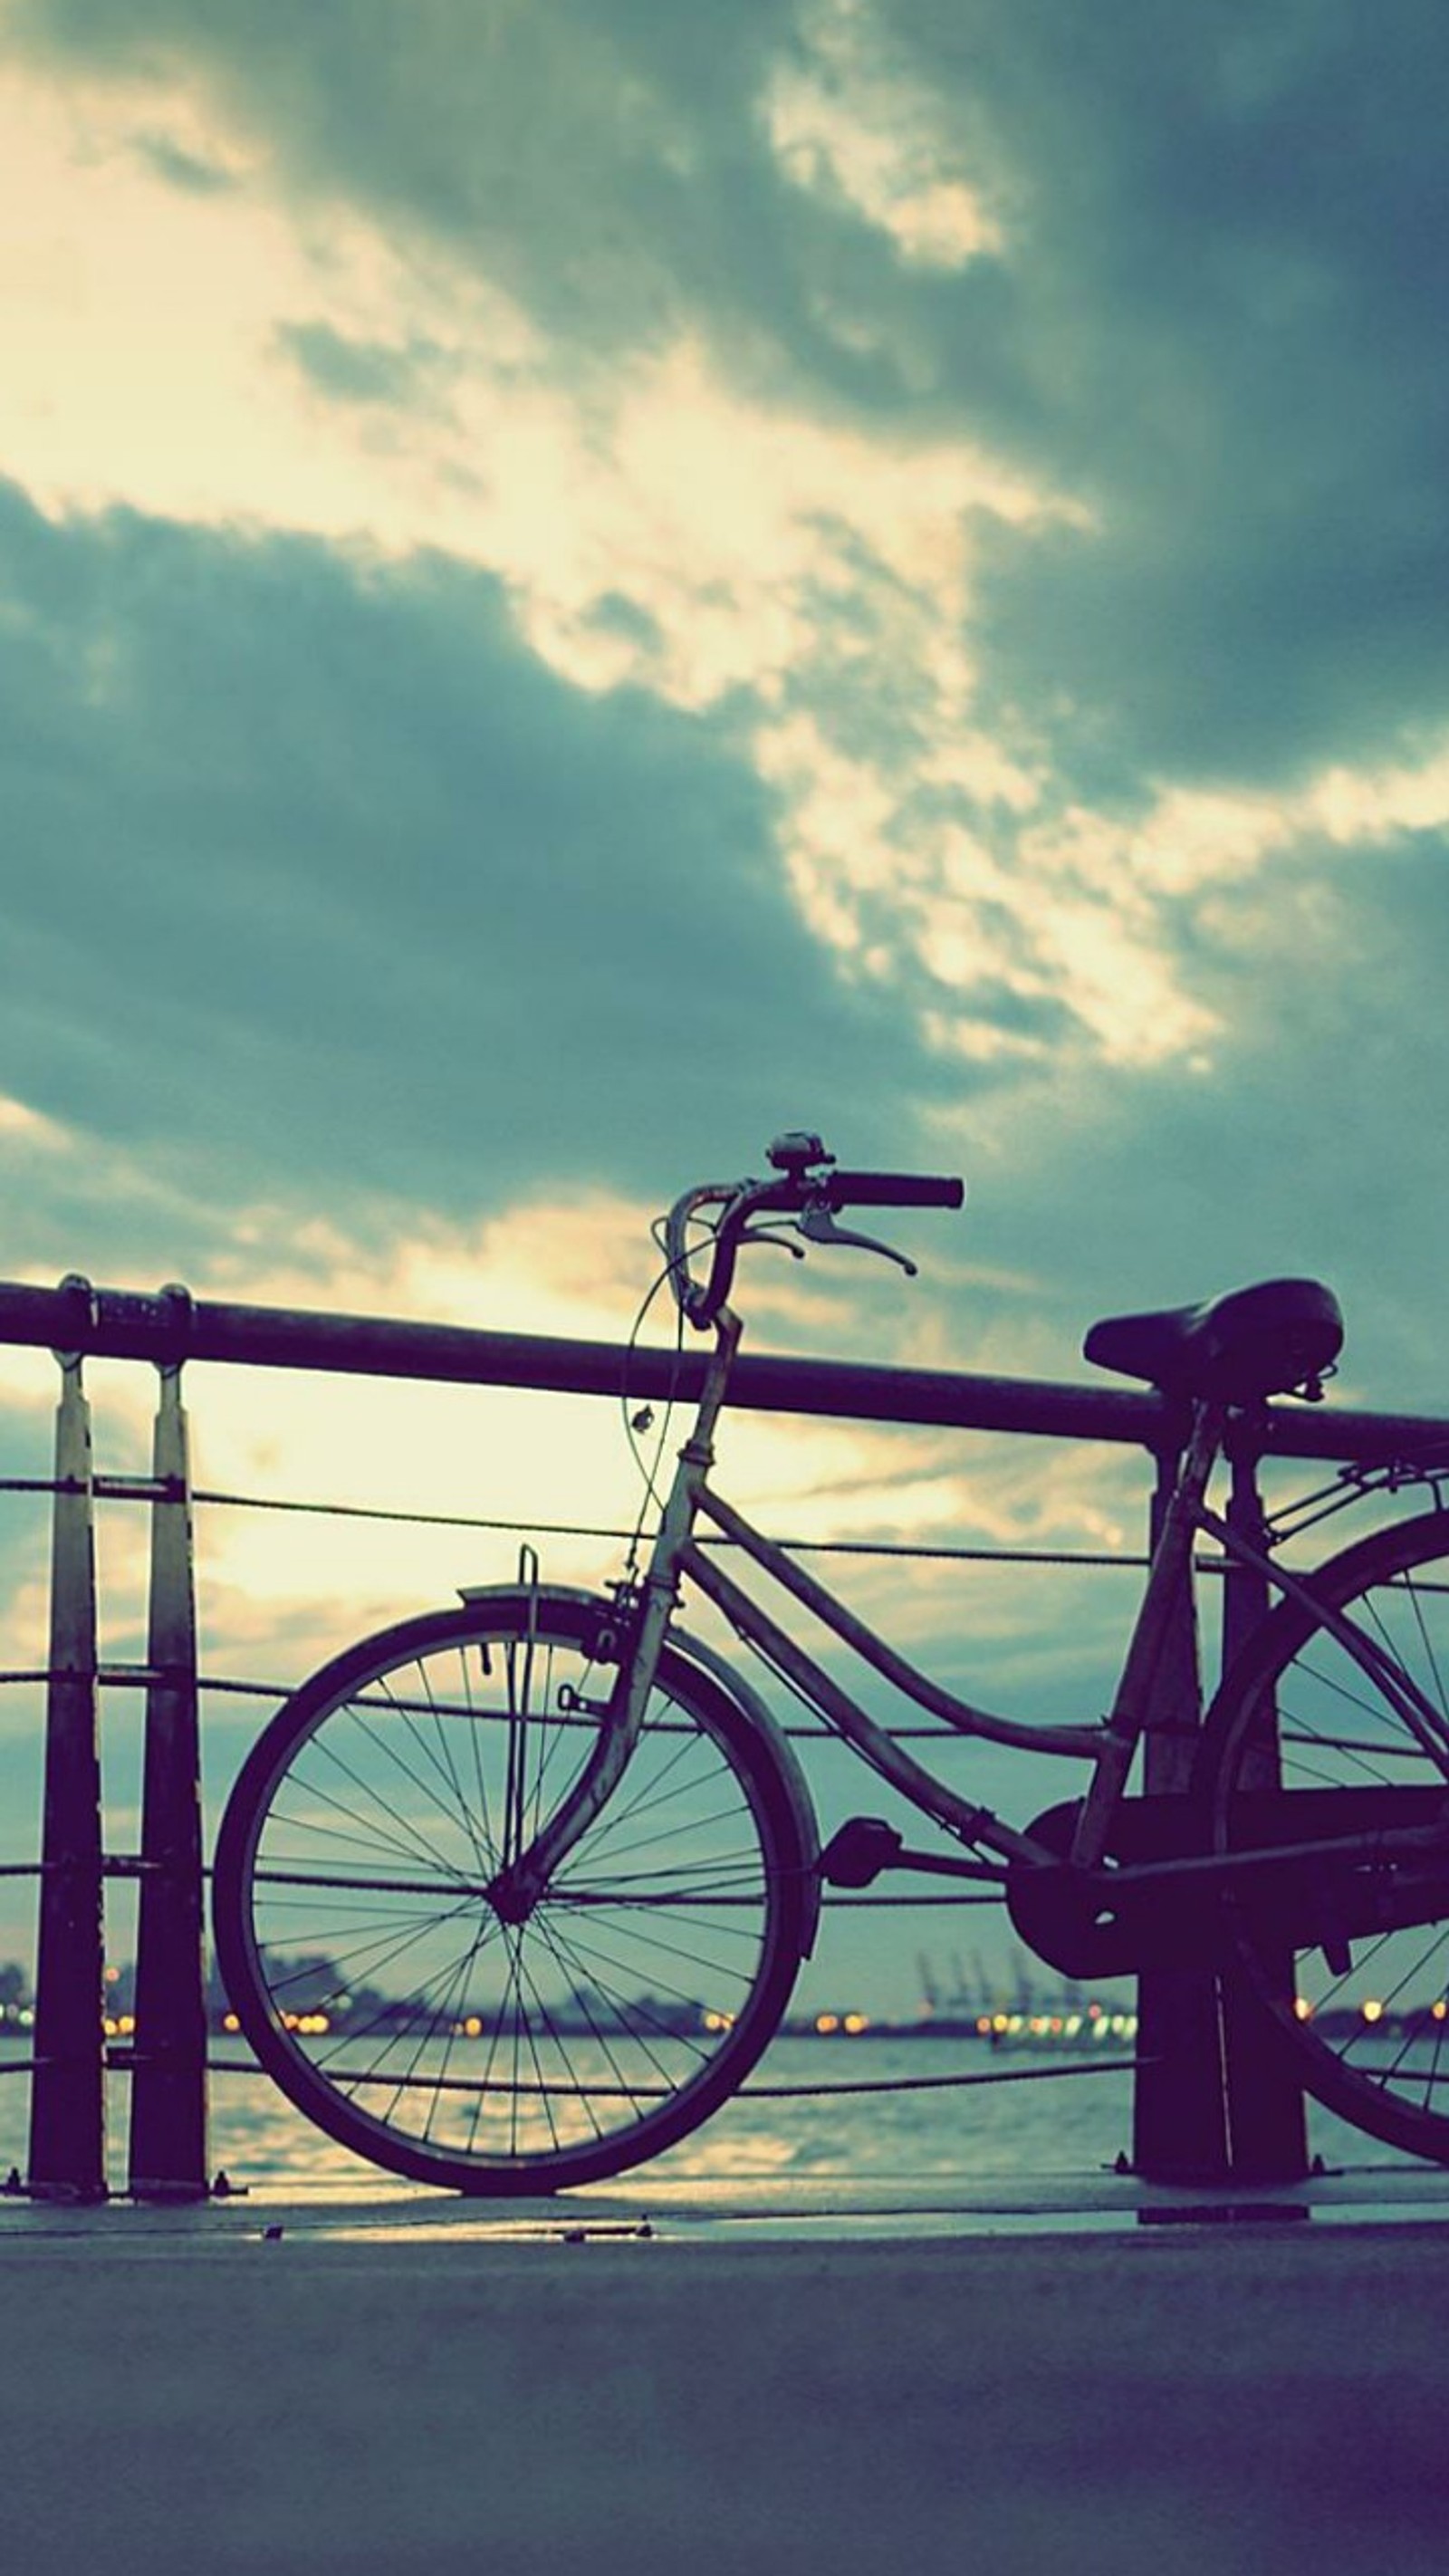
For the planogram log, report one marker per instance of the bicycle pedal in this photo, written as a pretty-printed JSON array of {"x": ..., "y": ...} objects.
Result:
[{"x": 859, "y": 1851}]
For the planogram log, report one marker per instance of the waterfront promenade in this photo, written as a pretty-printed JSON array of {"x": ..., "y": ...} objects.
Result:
[{"x": 1081, "y": 2374}]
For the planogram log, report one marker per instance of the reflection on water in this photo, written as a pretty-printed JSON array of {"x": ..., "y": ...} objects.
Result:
[{"x": 1006, "y": 2131}]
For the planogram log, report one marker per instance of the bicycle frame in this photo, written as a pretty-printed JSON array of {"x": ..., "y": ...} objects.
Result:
[{"x": 1109, "y": 1744}]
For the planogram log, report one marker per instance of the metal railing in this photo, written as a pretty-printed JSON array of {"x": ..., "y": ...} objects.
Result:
[{"x": 1208, "y": 2103}]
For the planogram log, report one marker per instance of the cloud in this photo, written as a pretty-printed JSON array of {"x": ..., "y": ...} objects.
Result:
[
  {"x": 354, "y": 371},
  {"x": 1201, "y": 296},
  {"x": 847, "y": 123},
  {"x": 1234, "y": 275},
  {"x": 714, "y": 543},
  {"x": 25, "y": 1129},
  {"x": 1001, "y": 464},
  {"x": 368, "y": 894}
]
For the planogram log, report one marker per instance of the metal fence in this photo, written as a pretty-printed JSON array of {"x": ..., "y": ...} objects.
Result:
[{"x": 1207, "y": 2101}]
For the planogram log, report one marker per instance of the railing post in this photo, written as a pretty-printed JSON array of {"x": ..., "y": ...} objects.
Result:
[
  {"x": 1267, "y": 2126},
  {"x": 1179, "y": 2131},
  {"x": 168, "y": 2140},
  {"x": 68, "y": 2097}
]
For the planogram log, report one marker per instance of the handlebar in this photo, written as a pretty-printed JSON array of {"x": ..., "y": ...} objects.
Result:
[
  {"x": 809, "y": 1187},
  {"x": 894, "y": 1189}
]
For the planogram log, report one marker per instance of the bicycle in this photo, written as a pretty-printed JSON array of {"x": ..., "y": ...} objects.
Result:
[{"x": 512, "y": 1896}]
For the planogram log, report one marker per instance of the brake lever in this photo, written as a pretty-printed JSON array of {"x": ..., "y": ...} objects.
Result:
[
  {"x": 771, "y": 1234},
  {"x": 819, "y": 1224}
]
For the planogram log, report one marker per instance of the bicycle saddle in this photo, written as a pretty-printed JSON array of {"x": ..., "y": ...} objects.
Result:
[{"x": 1253, "y": 1342}]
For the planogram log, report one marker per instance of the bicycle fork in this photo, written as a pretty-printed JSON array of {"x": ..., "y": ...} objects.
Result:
[{"x": 517, "y": 1887}]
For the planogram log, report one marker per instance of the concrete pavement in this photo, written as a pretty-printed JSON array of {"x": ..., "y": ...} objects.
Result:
[{"x": 742, "y": 2381}]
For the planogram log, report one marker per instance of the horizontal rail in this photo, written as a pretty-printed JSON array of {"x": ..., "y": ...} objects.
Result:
[
  {"x": 748, "y": 2092},
  {"x": 172, "y": 1326}
]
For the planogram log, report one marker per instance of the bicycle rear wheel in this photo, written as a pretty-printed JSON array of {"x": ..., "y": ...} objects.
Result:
[
  {"x": 375, "y": 1979},
  {"x": 1350, "y": 1958}
]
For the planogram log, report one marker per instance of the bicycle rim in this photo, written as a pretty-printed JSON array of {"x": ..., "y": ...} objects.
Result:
[
  {"x": 1362, "y": 2008},
  {"x": 375, "y": 1979}
]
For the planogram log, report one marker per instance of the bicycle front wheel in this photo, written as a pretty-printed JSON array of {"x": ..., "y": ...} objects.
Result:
[
  {"x": 1350, "y": 1956},
  {"x": 379, "y": 1985}
]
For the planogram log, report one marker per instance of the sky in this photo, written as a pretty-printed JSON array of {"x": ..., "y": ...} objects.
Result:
[{"x": 580, "y": 584}]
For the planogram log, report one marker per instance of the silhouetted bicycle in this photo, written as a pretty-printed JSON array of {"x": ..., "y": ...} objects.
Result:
[{"x": 513, "y": 1896}]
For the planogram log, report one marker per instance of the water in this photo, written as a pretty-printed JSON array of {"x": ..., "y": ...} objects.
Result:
[{"x": 928, "y": 2131}]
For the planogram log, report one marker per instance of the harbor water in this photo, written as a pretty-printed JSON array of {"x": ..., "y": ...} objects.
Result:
[{"x": 864, "y": 2109}]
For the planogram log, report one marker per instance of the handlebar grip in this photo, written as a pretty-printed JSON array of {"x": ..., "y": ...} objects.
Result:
[{"x": 896, "y": 1189}]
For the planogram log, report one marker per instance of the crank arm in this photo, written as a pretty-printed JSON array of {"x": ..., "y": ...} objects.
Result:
[{"x": 856, "y": 1855}]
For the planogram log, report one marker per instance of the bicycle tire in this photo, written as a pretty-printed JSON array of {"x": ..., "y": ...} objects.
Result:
[
  {"x": 1362, "y": 2011},
  {"x": 380, "y": 1989}
]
